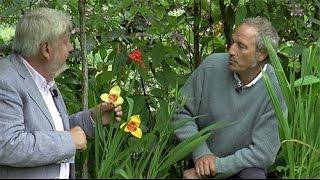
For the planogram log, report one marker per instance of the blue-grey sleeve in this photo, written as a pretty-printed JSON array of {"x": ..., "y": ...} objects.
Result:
[
  {"x": 263, "y": 150},
  {"x": 192, "y": 90},
  {"x": 84, "y": 120}
]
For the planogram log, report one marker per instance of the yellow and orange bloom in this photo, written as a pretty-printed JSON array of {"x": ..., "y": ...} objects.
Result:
[
  {"x": 133, "y": 126},
  {"x": 113, "y": 96}
]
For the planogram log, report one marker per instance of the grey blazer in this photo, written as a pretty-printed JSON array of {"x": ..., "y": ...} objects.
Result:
[{"x": 29, "y": 145}]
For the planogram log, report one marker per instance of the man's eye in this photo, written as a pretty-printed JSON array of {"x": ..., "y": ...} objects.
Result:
[{"x": 241, "y": 46}]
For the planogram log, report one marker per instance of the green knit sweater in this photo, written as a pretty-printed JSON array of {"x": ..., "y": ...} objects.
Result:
[{"x": 253, "y": 140}]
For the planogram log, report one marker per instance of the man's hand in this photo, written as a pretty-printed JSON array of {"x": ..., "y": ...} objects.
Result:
[
  {"x": 79, "y": 137},
  {"x": 190, "y": 174},
  {"x": 106, "y": 109},
  {"x": 205, "y": 166}
]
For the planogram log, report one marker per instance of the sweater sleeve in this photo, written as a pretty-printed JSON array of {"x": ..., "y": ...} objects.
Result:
[
  {"x": 263, "y": 150},
  {"x": 192, "y": 90}
]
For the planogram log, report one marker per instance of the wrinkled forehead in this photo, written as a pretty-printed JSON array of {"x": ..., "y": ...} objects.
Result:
[
  {"x": 246, "y": 30},
  {"x": 245, "y": 33}
]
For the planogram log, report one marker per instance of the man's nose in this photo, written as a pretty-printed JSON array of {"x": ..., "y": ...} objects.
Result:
[
  {"x": 71, "y": 48},
  {"x": 231, "y": 49}
]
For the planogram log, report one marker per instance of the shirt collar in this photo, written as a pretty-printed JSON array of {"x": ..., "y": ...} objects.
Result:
[
  {"x": 40, "y": 81},
  {"x": 253, "y": 82}
]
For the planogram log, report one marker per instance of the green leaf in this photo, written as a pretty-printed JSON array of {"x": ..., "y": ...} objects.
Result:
[
  {"x": 114, "y": 34},
  {"x": 230, "y": 15},
  {"x": 157, "y": 54},
  {"x": 235, "y": 2},
  {"x": 306, "y": 80},
  {"x": 118, "y": 62},
  {"x": 163, "y": 113},
  {"x": 316, "y": 21},
  {"x": 259, "y": 5},
  {"x": 188, "y": 145},
  {"x": 161, "y": 78},
  {"x": 297, "y": 49},
  {"x": 104, "y": 78},
  {"x": 285, "y": 131},
  {"x": 240, "y": 14},
  {"x": 131, "y": 103},
  {"x": 278, "y": 21},
  {"x": 159, "y": 93},
  {"x": 283, "y": 82},
  {"x": 140, "y": 104},
  {"x": 164, "y": 3},
  {"x": 122, "y": 173}
]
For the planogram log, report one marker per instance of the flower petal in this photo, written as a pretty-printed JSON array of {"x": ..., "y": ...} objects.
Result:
[
  {"x": 123, "y": 124},
  {"x": 137, "y": 133},
  {"x": 119, "y": 101},
  {"x": 104, "y": 97},
  {"x": 136, "y": 119},
  {"x": 115, "y": 90},
  {"x": 126, "y": 128}
]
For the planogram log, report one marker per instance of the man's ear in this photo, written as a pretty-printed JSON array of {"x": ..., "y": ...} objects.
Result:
[
  {"x": 262, "y": 56},
  {"x": 44, "y": 50}
]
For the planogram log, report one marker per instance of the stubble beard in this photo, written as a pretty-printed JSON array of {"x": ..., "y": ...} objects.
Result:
[
  {"x": 56, "y": 69},
  {"x": 61, "y": 69}
]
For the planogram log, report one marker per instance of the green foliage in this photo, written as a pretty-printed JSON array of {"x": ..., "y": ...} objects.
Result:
[
  {"x": 118, "y": 155},
  {"x": 299, "y": 131}
]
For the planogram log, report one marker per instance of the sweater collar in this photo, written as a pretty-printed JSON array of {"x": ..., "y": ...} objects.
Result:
[{"x": 253, "y": 82}]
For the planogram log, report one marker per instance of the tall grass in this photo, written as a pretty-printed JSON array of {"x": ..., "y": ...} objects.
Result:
[
  {"x": 119, "y": 155},
  {"x": 300, "y": 131}
]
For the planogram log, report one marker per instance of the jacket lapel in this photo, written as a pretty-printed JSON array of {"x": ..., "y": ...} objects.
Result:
[{"x": 31, "y": 87}]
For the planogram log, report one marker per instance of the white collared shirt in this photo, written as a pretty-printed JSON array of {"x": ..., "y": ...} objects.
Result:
[
  {"x": 253, "y": 82},
  {"x": 44, "y": 87}
]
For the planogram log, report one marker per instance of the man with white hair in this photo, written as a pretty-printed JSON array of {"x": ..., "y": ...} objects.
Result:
[{"x": 37, "y": 137}]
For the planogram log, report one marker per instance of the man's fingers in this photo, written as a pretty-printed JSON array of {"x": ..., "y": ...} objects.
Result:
[
  {"x": 106, "y": 106},
  {"x": 212, "y": 169},
  {"x": 118, "y": 109},
  {"x": 119, "y": 114},
  {"x": 198, "y": 170},
  {"x": 190, "y": 174},
  {"x": 118, "y": 119},
  {"x": 206, "y": 168},
  {"x": 203, "y": 169}
]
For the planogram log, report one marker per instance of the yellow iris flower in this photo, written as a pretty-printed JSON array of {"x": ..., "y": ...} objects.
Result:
[
  {"x": 113, "y": 96},
  {"x": 133, "y": 126}
]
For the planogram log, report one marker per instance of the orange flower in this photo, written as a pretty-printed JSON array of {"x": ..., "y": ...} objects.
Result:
[
  {"x": 133, "y": 126},
  {"x": 136, "y": 57}
]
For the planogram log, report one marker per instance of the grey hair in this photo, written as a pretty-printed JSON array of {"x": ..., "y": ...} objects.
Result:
[
  {"x": 38, "y": 26},
  {"x": 264, "y": 28}
]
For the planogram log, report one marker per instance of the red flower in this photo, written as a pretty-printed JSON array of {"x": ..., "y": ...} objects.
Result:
[{"x": 136, "y": 57}]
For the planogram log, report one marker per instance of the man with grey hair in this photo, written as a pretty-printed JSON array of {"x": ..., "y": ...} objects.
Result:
[
  {"x": 229, "y": 87},
  {"x": 37, "y": 137}
]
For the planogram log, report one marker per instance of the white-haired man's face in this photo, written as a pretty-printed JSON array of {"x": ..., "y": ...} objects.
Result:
[{"x": 59, "y": 53}]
